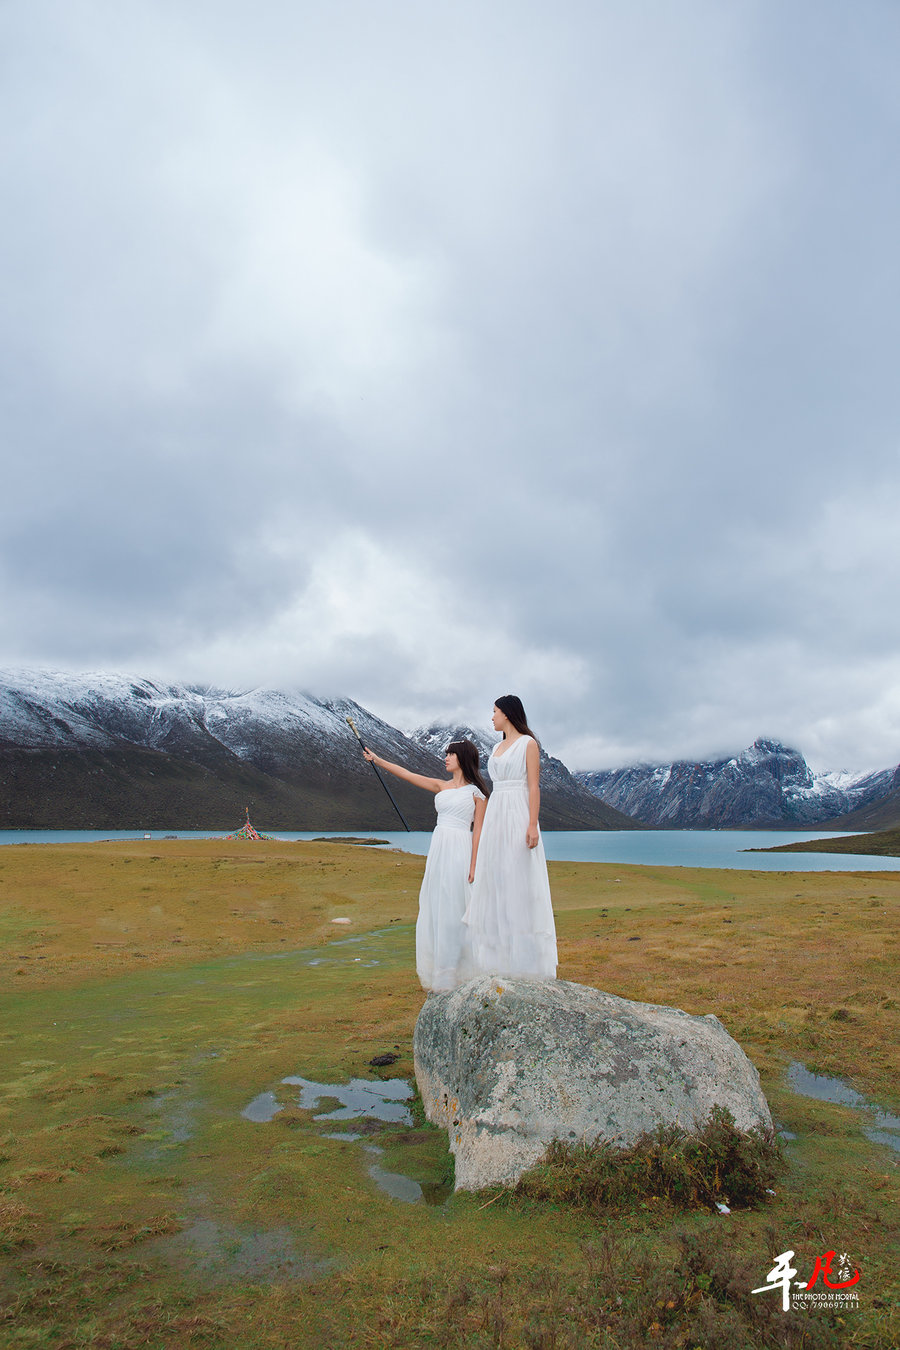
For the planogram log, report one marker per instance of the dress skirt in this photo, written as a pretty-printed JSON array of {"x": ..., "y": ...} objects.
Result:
[
  {"x": 442, "y": 904},
  {"x": 509, "y": 921}
]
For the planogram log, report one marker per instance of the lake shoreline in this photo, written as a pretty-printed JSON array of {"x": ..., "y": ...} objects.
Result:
[{"x": 735, "y": 850}]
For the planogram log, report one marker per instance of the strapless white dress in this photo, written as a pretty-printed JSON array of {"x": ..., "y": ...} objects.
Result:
[
  {"x": 509, "y": 922},
  {"x": 445, "y": 889}
]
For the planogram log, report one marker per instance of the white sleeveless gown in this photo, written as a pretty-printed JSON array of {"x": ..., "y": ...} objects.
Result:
[
  {"x": 445, "y": 889},
  {"x": 510, "y": 926}
]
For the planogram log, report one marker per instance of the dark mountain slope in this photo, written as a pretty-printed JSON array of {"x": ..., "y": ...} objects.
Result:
[{"x": 108, "y": 751}]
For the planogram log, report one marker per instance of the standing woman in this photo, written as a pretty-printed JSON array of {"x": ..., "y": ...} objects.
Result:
[
  {"x": 450, "y": 864},
  {"x": 510, "y": 917}
]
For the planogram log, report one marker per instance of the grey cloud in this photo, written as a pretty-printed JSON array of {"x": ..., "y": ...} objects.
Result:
[{"x": 586, "y": 319}]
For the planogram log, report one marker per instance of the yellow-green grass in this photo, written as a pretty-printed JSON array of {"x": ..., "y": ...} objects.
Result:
[{"x": 152, "y": 989}]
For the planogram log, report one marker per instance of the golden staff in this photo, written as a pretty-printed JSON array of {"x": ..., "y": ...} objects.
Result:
[{"x": 352, "y": 725}]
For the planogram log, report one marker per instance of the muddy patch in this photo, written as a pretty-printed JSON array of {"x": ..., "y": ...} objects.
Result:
[{"x": 225, "y": 1252}]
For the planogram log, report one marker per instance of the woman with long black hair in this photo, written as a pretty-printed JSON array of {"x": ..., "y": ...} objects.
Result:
[
  {"x": 450, "y": 865},
  {"x": 510, "y": 923}
]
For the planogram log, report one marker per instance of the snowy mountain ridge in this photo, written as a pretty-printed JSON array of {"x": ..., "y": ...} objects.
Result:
[
  {"x": 766, "y": 784},
  {"x": 113, "y": 749},
  {"x": 85, "y": 748},
  {"x": 438, "y": 736},
  {"x": 46, "y": 707}
]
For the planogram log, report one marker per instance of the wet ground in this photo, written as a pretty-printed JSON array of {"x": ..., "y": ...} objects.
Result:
[
  {"x": 384, "y": 1101},
  {"x": 884, "y": 1127}
]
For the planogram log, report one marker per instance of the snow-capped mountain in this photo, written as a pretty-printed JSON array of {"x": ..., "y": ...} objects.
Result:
[
  {"x": 438, "y": 736},
  {"x": 110, "y": 750},
  {"x": 767, "y": 784},
  {"x": 51, "y": 708},
  {"x": 562, "y": 797},
  {"x": 121, "y": 750}
]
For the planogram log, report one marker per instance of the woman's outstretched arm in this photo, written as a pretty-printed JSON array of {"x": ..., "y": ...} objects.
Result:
[
  {"x": 480, "y": 804},
  {"x": 419, "y": 779},
  {"x": 533, "y": 770}
]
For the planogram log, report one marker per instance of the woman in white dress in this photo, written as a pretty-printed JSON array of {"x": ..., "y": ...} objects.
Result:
[
  {"x": 510, "y": 916},
  {"x": 450, "y": 864}
]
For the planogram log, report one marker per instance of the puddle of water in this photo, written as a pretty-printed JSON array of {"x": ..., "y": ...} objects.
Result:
[
  {"x": 180, "y": 1121},
  {"x": 356, "y": 938},
  {"x": 262, "y": 1108},
  {"x": 437, "y": 1193},
  {"x": 823, "y": 1088},
  {"x": 371, "y": 949},
  {"x": 378, "y": 1099},
  {"x": 886, "y": 1128},
  {"x": 888, "y": 1138},
  {"x": 226, "y": 1252},
  {"x": 369, "y": 945},
  {"x": 175, "y": 1117},
  {"x": 393, "y": 1183},
  {"x": 331, "y": 961},
  {"x": 361, "y": 1098}
]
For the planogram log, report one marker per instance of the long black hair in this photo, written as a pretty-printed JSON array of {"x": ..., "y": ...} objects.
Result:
[
  {"x": 511, "y": 706},
  {"x": 467, "y": 757}
]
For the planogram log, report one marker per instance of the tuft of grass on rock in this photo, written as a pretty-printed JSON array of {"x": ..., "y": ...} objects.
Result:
[{"x": 669, "y": 1166}]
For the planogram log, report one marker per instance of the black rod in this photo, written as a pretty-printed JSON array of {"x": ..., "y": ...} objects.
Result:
[{"x": 352, "y": 726}]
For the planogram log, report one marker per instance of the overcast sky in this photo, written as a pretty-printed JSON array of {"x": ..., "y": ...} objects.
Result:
[{"x": 426, "y": 352}]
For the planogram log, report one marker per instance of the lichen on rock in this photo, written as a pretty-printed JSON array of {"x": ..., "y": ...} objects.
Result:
[{"x": 507, "y": 1066}]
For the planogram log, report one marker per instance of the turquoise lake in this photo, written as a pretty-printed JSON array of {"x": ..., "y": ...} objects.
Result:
[{"x": 656, "y": 848}]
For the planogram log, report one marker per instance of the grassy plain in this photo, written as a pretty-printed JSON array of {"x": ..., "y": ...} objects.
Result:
[{"x": 152, "y": 989}]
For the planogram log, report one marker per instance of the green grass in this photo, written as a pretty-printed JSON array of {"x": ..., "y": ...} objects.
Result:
[{"x": 139, "y": 1208}]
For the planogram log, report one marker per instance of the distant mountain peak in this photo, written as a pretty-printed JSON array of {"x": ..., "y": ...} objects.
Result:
[
  {"x": 767, "y": 784},
  {"x": 438, "y": 735}
]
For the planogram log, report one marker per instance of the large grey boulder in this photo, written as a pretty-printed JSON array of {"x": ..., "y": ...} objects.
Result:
[{"x": 508, "y": 1065}]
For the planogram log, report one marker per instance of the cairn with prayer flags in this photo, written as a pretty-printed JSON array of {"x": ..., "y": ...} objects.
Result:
[{"x": 247, "y": 831}]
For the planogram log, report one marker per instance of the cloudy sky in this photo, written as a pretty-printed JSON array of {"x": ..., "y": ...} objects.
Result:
[{"x": 424, "y": 352}]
